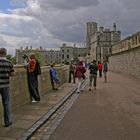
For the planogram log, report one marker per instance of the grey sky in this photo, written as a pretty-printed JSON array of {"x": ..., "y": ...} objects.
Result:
[{"x": 50, "y": 23}]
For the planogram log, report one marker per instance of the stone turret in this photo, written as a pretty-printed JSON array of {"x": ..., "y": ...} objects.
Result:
[
  {"x": 114, "y": 27},
  {"x": 91, "y": 29}
]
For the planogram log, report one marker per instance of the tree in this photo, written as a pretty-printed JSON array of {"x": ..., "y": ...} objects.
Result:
[
  {"x": 11, "y": 58},
  {"x": 40, "y": 57}
]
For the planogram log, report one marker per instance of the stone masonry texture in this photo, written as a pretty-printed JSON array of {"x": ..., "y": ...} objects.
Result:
[
  {"x": 127, "y": 62},
  {"x": 19, "y": 86}
]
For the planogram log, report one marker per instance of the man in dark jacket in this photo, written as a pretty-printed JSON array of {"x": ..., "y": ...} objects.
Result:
[
  {"x": 72, "y": 72},
  {"x": 93, "y": 68}
]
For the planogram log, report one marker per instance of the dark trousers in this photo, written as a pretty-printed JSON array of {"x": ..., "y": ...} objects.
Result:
[
  {"x": 5, "y": 94},
  {"x": 33, "y": 87},
  {"x": 71, "y": 73},
  {"x": 100, "y": 73},
  {"x": 92, "y": 78}
]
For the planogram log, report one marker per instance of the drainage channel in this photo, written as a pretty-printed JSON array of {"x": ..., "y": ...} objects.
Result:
[
  {"x": 45, "y": 126},
  {"x": 48, "y": 128}
]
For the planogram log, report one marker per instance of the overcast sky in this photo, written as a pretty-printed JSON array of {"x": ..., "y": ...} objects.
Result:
[{"x": 50, "y": 23}]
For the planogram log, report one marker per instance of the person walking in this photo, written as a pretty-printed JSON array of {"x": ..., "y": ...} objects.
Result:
[
  {"x": 105, "y": 70},
  {"x": 54, "y": 79},
  {"x": 93, "y": 68},
  {"x": 6, "y": 70},
  {"x": 33, "y": 79},
  {"x": 79, "y": 74},
  {"x": 100, "y": 66},
  {"x": 72, "y": 72}
]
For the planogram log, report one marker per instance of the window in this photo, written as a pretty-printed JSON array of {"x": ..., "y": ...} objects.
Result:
[
  {"x": 62, "y": 55},
  {"x": 106, "y": 38},
  {"x": 110, "y": 50},
  {"x": 67, "y": 56},
  {"x": 139, "y": 37},
  {"x": 67, "y": 50}
]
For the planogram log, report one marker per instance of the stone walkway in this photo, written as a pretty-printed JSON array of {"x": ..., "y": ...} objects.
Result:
[
  {"x": 112, "y": 112},
  {"x": 26, "y": 116}
]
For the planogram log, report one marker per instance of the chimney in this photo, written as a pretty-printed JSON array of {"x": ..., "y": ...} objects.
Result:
[{"x": 64, "y": 45}]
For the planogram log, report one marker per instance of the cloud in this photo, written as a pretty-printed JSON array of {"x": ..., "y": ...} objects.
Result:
[
  {"x": 69, "y": 5},
  {"x": 49, "y": 23}
]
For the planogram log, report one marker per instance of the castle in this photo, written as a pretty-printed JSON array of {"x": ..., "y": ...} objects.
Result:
[
  {"x": 99, "y": 41},
  {"x": 65, "y": 54}
]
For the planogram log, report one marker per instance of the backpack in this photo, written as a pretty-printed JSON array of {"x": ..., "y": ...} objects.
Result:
[
  {"x": 37, "y": 68},
  {"x": 93, "y": 69}
]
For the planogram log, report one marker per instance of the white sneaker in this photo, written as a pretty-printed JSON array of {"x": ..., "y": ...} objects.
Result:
[
  {"x": 78, "y": 91},
  {"x": 33, "y": 101}
]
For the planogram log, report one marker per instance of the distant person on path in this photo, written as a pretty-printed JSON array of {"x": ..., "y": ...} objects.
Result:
[
  {"x": 33, "y": 79},
  {"x": 80, "y": 75},
  {"x": 72, "y": 72},
  {"x": 100, "y": 67},
  {"x": 54, "y": 79},
  {"x": 105, "y": 70},
  {"x": 93, "y": 68},
  {"x": 6, "y": 70}
]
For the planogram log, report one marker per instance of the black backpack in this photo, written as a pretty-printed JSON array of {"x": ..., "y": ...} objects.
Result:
[
  {"x": 37, "y": 68},
  {"x": 93, "y": 69}
]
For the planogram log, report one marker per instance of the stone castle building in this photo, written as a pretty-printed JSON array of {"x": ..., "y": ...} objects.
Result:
[
  {"x": 99, "y": 41},
  {"x": 70, "y": 53},
  {"x": 22, "y": 53},
  {"x": 65, "y": 54}
]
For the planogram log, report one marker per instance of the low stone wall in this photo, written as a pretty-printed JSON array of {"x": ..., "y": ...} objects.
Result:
[
  {"x": 126, "y": 62},
  {"x": 19, "y": 87}
]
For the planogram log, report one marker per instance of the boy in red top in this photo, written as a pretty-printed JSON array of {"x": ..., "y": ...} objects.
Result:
[{"x": 100, "y": 67}]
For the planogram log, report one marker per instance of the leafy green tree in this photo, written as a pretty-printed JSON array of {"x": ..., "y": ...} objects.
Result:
[
  {"x": 11, "y": 58},
  {"x": 40, "y": 57}
]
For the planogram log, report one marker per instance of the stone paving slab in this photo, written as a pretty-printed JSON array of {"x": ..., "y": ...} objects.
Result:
[{"x": 26, "y": 116}]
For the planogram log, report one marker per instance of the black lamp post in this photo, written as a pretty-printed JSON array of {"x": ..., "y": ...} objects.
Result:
[{"x": 98, "y": 49}]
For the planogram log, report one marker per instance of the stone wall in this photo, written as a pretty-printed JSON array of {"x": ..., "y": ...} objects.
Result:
[
  {"x": 126, "y": 62},
  {"x": 19, "y": 87}
]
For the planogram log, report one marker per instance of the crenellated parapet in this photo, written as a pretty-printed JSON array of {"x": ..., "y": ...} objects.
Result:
[{"x": 128, "y": 43}]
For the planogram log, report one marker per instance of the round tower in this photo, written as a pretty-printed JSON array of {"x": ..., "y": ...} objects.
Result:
[{"x": 91, "y": 27}]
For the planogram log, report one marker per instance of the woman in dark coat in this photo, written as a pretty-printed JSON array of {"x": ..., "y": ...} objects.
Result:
[{"x": 32, "y": 79}]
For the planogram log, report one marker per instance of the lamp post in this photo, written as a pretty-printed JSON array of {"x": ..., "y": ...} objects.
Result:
[{"x": 98, "y": 49}]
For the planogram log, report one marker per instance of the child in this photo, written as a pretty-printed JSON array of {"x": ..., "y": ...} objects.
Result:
[{"x": 54, "y": 79}]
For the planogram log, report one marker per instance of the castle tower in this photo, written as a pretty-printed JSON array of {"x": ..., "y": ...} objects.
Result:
[{"x": 91, "y": 29}]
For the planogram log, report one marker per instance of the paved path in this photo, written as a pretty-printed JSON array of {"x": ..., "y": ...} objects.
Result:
[
  {"x": 26, "y": 116},
  {"x": 112, "y": 112}
]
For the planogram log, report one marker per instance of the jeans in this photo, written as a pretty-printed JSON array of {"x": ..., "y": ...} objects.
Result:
[
  {"x": 80, "y": 88},
  {"x": 71, "y": 73},
  {"x": 5, "y": 94},
  {"x": 91, "y": 78}
]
